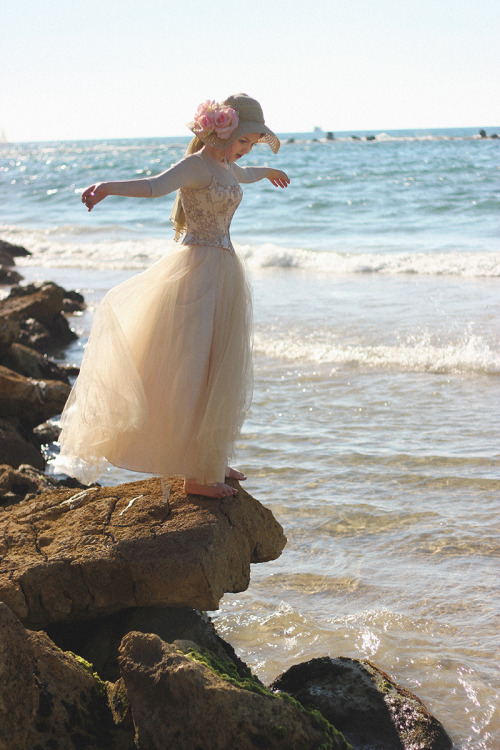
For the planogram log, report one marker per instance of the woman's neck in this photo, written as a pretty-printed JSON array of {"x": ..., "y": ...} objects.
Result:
[{"x": 217, "y": 154}]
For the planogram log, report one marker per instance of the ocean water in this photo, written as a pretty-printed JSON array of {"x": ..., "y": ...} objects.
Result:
[{"x": 375, "y": 425}]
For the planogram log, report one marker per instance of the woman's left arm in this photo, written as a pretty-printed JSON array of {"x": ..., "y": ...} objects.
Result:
[
  {"x": 253, "y": 174},
  {"x": 278, "y": 178}
]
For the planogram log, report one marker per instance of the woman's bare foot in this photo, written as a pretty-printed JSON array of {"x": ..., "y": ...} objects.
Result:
[
  {"x": 217, "y": 490},
  {"x": 234, "y": 474}
]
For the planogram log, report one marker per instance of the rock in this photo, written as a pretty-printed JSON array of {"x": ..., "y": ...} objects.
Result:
[
  {"x": 16, "y": 448},
  {"x": 47, "y": 433},
  {"x": 51, "y": 699},
  {"x": 67, "y": 556},
  {"x": 7, "y": 276},
  {"x": 9, "y": 330},
  {"x": 30, "y": 401},
  {"x": 180, "y": 702},
  {"x": 15, "y": 251},
  {"x": 330, "y": 136},
  {"x": 32, "y": 364},
  {"x": 18, "y": 693},
  {"x": 15, "y": 485},
  {"x": 371, "y": 710},
  {"x": 483, "y": 134},
  {"x": 370, "y": 138},
  {"x": 98, "y": 640},
  {"x": 43, "y": 303},
  {"x": 73, "y": 302}
]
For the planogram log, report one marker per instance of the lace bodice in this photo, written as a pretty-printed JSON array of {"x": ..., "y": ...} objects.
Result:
[{"x": 209, "y": 212}]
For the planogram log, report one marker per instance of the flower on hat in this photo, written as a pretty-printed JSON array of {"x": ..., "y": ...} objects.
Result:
[
  {"x": 225, "y": 121},
  {"x": 215, "y": 118}
]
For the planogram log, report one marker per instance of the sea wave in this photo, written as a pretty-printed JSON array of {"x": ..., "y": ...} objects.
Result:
[
  {"x": 472, "y": 354},
  {"x": 118, "y": 247}
]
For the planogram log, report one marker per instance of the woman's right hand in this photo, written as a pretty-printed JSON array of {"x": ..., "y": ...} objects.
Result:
[{"x": 94, "y": 194}]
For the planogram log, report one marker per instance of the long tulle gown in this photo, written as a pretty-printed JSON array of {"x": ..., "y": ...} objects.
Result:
[{"x": 166, "y": 376}]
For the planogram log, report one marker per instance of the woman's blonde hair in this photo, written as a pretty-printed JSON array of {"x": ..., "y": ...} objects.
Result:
[{"x": 178, "y": 217}]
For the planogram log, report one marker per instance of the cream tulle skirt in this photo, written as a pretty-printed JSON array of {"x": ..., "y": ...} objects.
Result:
[{"x": 166, "y": 378}]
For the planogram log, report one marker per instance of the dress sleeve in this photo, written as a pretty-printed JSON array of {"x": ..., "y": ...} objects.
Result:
[
  {"x": 249, "y": 174},
  {"x": 188, "y": 172}
]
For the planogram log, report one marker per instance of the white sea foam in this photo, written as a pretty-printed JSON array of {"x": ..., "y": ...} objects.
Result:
[
  {"x": 113, "y": 247},
  {"x": 470, "y": 355}
]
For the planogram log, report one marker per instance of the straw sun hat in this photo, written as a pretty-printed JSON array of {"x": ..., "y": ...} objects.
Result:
[{"x": 249, "y": 119}]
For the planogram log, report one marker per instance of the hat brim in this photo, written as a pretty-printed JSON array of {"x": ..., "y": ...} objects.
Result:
[{"x": 245, "y": 127}]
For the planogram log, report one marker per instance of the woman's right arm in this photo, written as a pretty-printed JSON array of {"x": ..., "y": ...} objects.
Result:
[
  {"x": 131, "y": 188},
  {"x": 189, "y": 172}
]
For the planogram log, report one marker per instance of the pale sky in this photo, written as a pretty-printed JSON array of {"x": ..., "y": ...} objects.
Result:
[{"x": 138, "y": 68}]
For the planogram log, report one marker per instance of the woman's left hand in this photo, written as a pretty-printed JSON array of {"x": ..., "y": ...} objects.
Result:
[{"x": 278, "y": 178}]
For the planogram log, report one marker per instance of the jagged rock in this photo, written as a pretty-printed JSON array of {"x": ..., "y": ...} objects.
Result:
[
  {"x": 18, "y": 693},
  {"x": 16, "y": 448},
  {"x": 178, "y": 702},
  {"x": 51, "y": 699},
  {"x": 47, "y": 433},
  {"x": 68, "y": 556},
  {"x": 33, "y": 364},
  {"x": 43, "y": 303},
  {"x": 9, "y": 329},
  {"x": 98, "y": 640},
  {"x": 30, "y": 401},
  {"x": 17, "y": 485},
  {"x": 14, "y": 251},
  {"x": 371, "y": 710},
  {"x": 7, "y": 276},
  {"x": 73, "y": 301}
]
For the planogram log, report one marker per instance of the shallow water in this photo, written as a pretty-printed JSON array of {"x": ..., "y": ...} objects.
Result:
[{"x": 374, "y": 430}]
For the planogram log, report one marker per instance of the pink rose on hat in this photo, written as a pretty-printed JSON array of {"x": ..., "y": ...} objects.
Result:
[
  {"x": 215, "y": 118},
  {"x": 225, "y": 121}
]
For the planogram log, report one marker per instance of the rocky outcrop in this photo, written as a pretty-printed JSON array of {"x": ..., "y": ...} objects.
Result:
[
  {"x": 98, "y": 640},
  {"x": 16, "y": 448},
  {"x": 38, "y": 307},
  {"x": 371, "y": 710},
  {"x": 33, "y": 388},
  {"x": 180, "y": 701},
  {"x": 28, "y": 400},
  {"x": 51, "y": 699},
  {"x": 67, "y": 556}
]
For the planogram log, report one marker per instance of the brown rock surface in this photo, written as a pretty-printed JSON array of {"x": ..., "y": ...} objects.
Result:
[
  {"x": 180, "y": 703},
  {"x": 50, "y": 699},
  {"x": 67, "y": 555},
  {"x": 370, "y": 709},
  {"x": 32, "y": 364},
  {"x": 16, "y": 449},
  {"x": 43, "y": 302},
  {"x": 18, "y": 694},
  {"x": 98, "y": 640},
  {"x": 28, "y": 400},
  {"x": 38, "y": 309}
]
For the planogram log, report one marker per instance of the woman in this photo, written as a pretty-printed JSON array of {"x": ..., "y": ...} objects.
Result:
[{"x": 166, "y": 377}]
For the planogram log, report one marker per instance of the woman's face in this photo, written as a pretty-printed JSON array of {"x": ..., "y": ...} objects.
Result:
[{"x": 241, "y": 146}]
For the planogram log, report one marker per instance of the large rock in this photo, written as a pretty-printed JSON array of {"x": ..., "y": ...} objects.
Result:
[
  {"x": 178, "y": 702},
  {"x": 16, "y": 484},
  {"x": 38, "y": 307},
  {"x": 9, "y": 329},
  {"x": 13, "y": 251},
  {"x": 51, "y": 699},
  {"x": 32, "y": 364},
  {"x": 16, "y": 448},
  {"x": 371, "y": 710},
  {"x": 69, "y": 555},
  {"x": 98, "y": 640},
  {"x": 28, "y": 400},
  {"x": 18, "y": 693}
]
